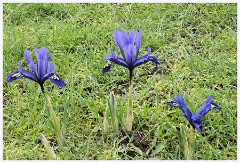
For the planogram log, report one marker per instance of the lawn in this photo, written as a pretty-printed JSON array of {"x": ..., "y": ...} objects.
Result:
[{"x": 196, "y": 45}]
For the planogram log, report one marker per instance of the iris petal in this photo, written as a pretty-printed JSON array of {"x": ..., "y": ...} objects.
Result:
[
  {"x": 118, "y": 38},
  {"x": 216, "y": 106},
  {"x": 143, "y": 59},
  {"x": 55, "y": 79},
  {"x": 29, "y": 75},
  {"x": 42, "y": 58},
  {"x": 119, "y": 61},
  {"x": 50, "y": 67},
  {"x": 115, "y": 59},
  {"x": 197, "y": 125},
  {"x": 153, "y": 59},
  {"x": 138, "y": 43},
  {"x": 112, "y": 55},
  {"x": 46, "y": 76},
  {"x": 130, "y": 56},
  {"x": 125, "y": 39},
  {"x": 119, "y": 41},
  {"x": 180, "y": 101},
  {"x": 106, "y": 69},
  {"x": 132, "y": 37},
  {"x": 15, "y": 75},
  {"x": 205, "y": 108},
  {"x": 49, "y": 57},
  {"x": 26, "y": 73},
  {"x": 108, "y": 57},
  {"x": 30, "y": 62},
  {"x": 20, "y": 65},
  {"x": 173, "y": 103}
]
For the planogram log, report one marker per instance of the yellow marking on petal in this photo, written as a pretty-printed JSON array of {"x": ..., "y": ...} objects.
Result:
[
  {"x": 107, "y": 64},
  {"x": 16, "y": 75},
  {"x": 55, "y": 77},
  {"x": 175, "y": 104}
]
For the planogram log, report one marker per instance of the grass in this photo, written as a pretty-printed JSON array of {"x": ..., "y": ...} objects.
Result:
[{"x": 196, "y": 45}]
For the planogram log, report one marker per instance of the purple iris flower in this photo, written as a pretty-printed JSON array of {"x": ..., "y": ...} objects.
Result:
[
  {"x": 194, "y": 118},
  {"x": 41, "y": 72},
  {"x": 129, "y": 46}
]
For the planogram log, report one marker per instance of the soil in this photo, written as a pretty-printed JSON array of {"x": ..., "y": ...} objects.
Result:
[{"x": 137, "y": 139}]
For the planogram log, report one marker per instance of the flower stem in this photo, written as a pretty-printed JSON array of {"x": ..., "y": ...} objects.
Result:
[
  {"x": 129, "y": 117},
  {"x": 191, "y": 143},
  {"x": 56, "y": 122},
  {"x": 42, "y": 88},
  {"x": 130, "y": 76}
]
